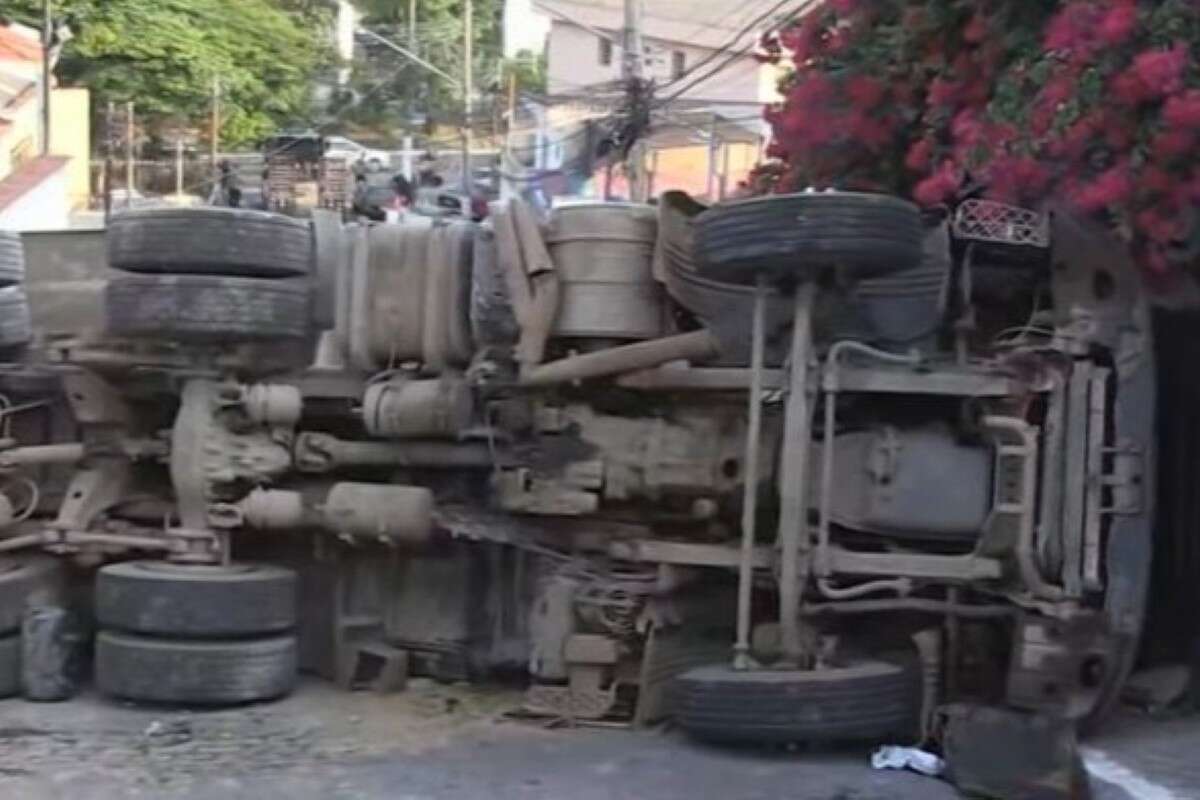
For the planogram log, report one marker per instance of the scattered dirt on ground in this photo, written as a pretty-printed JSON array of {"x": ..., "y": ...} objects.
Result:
[{"x": 170, "y": 749}]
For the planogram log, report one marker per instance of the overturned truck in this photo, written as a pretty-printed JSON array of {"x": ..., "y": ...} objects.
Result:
[{"x": 788, "y": 468}]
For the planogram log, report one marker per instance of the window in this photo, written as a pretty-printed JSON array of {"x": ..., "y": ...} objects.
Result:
[
  {"x": 678, "y": 64},
  {"x": 605, "y": 52}
]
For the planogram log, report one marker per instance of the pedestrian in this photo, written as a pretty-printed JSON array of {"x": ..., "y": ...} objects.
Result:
[
  {"x": 228, "y": 188},
  {"x": 362, "y": 205},
  {"x": 404, "y": 198}
]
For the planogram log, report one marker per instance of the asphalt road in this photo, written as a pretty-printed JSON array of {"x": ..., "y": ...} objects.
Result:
[{"x": 436, "y": 743}]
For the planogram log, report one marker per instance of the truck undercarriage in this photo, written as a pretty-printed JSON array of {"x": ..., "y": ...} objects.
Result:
[{"x": 793, "y": 468}]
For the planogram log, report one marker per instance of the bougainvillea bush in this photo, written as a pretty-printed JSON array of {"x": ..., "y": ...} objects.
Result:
[{"x": 1095, "y": 103}]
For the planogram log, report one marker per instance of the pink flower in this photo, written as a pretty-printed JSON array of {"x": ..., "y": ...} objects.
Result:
[
  {"x": 999, "y": 135},
  {"x": 1169, "y": 145},
  {"x": 1129, "y": 90},
  {"x": 976, "y": 30},
  {"x": 865, "y": 92},
  {"x": 939, "y": 187},
  {"x": 1119, "y": 22},
  {"x": 966, "y": 128},
  {"x": 844, "y": 7},
  {"x": 1109, "y": 188},
  {"x": 1070, "y": 29},
  {"x": 870, "y": 132},
  {"x": 1156, "y": 260},
  {"x": 1041, "y": 119},
  {"x": 1162, "y": 70},
  {"x": 1059, "y": 90},
  {"x": 1183, "y": 111},
  {"x": 919, "y": 155},
  {"x": 1030, "y": 175},
  {"x": 1156, "y": 226},
  {"x": 1009, "y": 177},
  {"x": 1154, "y": 181},
  {"x": 943, "y": 93}
]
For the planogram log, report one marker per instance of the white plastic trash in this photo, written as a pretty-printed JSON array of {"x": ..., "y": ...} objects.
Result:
[{"x": 912, "y": 758}]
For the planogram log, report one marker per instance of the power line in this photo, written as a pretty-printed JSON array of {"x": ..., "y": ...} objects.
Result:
[
  {"x": 732, "y": 42},
  {"x": 709, "y": 25},
  {"x": 734, "y": 55}
]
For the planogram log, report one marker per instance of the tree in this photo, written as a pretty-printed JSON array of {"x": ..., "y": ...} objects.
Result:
[
  {"x": 166, "y": 56},
  {"x": 529, "y": 69},
  {"x": 389, "y": 88},
  {"x": 1095, "y": 103}
]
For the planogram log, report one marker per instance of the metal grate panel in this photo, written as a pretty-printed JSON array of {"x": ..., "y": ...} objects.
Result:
[{"x": 989, "y": 221}]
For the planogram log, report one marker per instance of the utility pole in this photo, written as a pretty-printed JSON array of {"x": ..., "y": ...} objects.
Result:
[
  {"x": 468, "y": 91},
  {"x": 215, "y": 133},
  {"x": 129, "y": 154},
  {"x": 412, "y": 25},
  {"x": 714, "y": 146},
  {"x": 47, "y": 42},
  {"x": 632, "y": 62},
  {"x": 179, "y": 164},
  {"x": 109, "y": 144},
  {"x": 512, "y": 109}
]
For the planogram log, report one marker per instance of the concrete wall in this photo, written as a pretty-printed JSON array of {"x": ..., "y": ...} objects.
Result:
[
  {"x": 71, "y": 136},
  {"x": 46, "y": 206},
  {"x": 686, "y": 168},
  {"x": 573, "y": 60}
]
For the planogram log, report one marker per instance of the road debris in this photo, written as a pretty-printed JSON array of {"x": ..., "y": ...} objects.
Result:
[{"x": 910, "y": 758}]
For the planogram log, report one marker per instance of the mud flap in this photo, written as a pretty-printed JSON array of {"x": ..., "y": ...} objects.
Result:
[{"x": 1010, "y": 755}]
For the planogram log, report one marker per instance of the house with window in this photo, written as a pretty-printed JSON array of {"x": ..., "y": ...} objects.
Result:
[
  {"x": 39, "y": 191},
  {"x": 709, "y": 132},
  {"x": 584, "y": 49}
]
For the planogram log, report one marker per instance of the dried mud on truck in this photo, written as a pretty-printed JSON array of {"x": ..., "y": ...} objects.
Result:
[{"x": 793, "y": 468}]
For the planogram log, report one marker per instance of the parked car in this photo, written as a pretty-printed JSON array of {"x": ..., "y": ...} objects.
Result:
[{"x": 375, "y": 160}]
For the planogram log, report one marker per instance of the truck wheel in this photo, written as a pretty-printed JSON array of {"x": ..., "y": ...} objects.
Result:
[
  {"x": 10, "y": 665},
  {"x": 201, "y": 673},
  {"x": 12, "y": 258},
  {"x": 868, "y": 700},
  {"x": 16, "y": 326},
  {"x": 800, "y": 236},
  {"x": 158, "y": 598},
  {"x": 205, "y": 308},
  {"x": 25, "y": 582},
  {"x": 210, "y": 241}
]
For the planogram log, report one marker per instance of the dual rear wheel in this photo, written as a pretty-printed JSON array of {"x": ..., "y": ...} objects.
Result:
[{"x": 197, "y": 635}]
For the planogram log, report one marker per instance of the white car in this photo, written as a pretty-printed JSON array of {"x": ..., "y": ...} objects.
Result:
[{"x": 353, "y": 151}]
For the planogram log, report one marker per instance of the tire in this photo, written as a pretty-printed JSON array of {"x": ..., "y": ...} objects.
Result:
[
  {"x": 869, "y": 700},
  {"x": 210, "y": 241},
  {"x": 196, "y": 673},
  {"x": 798, "y": 237},
  {"x": 196, "y": 602},
  {"x": 12, "y": 258},
  {"x": 205, "y": 308},
  {"x": 25, "y": 582},
  {"x": 10, "y": 665},
  {"x": 16, "y": 326}
]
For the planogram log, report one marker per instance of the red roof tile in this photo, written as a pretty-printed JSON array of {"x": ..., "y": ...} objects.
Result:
[
  {"x": 28, "y": 177},
  {"x": 16, "y": 46}
]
